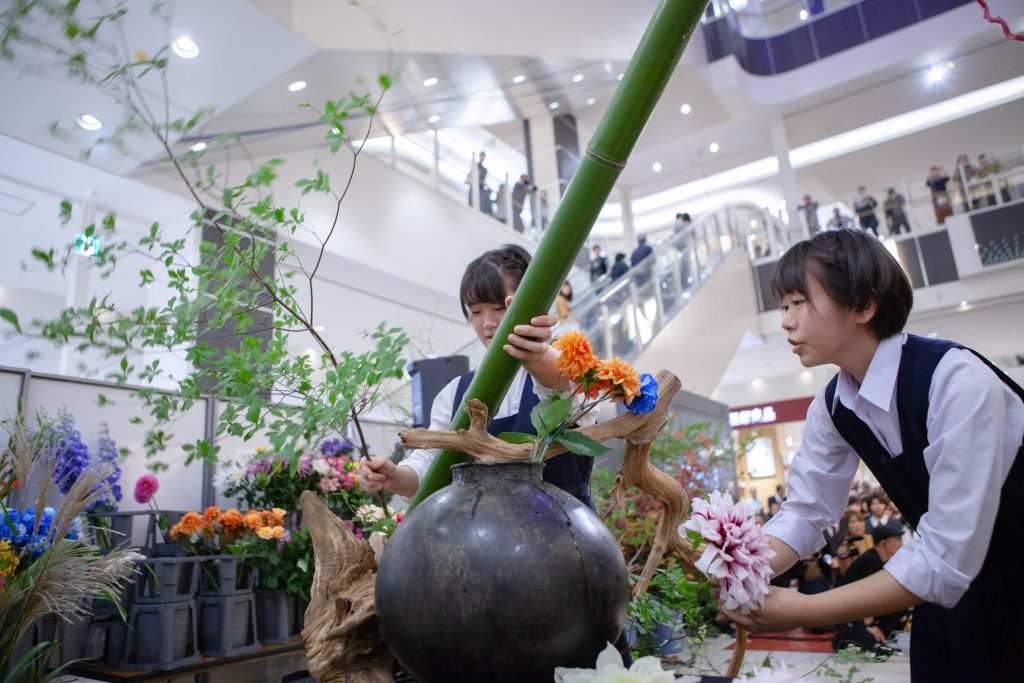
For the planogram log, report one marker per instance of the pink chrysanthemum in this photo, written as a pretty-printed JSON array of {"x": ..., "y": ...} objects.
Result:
[
  {"x": 736, "y": 553},
  {"x": 145, "y": 488}
]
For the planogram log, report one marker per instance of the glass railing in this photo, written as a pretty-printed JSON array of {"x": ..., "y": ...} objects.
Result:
[
  {"x": 622, "y": 315},
  {"x": 441, "y": 160}
]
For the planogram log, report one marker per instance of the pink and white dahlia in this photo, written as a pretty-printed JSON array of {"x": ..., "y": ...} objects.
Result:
[{"x": 737, "y": 551}]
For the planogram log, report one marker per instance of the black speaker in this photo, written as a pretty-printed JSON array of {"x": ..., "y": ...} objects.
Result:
[{"x": 429, "y": 377}]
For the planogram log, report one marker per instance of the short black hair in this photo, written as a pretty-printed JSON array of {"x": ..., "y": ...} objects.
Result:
[
  {"x": 855, "y": 270},
  {"x": 489, "y": 277}
]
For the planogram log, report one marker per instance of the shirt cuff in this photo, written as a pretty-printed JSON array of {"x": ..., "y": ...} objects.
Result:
[
  {"x": 796, "y": 532},
  {"x": 927, "y": 575}
]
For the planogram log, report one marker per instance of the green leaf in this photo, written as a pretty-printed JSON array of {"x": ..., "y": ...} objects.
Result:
[
  {"x": 517, "y": 437},
  {"x": 555, "y": 411},
  {"x": 65, "y": 211},
  {"x": 11, "y": 317},
  {"x": 581, "y": 444}
]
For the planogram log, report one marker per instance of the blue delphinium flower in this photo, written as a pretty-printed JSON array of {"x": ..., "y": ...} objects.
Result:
[
  {"x": 107, "y": 452},
  {"x": 648, "y": 398},
  {"x": 72, "y": 452}
]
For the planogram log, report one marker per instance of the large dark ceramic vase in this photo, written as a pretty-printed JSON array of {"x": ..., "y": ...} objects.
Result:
[{"x": 500, "y": 577}]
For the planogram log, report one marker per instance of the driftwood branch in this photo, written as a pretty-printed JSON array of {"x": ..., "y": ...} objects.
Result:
[{"x": 343, "y": 643}]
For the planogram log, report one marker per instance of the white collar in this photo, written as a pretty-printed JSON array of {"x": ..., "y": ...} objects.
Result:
[{"x": 880, "y": 379}]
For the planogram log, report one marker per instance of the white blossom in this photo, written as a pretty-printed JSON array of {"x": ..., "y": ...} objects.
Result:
[
  {"x": 609, "y": 669},
  {"x": 321, "y": 467}
]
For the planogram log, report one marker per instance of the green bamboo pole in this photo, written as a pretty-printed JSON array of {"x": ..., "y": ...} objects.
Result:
[{"x": 642, "y": 84}]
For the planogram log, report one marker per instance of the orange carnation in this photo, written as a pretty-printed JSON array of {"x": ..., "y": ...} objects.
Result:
[
  {"x": 190, "y": 523},
  {"x": 253, "y": 519},
  {"x": 622, "y": 375},
  {"x": 211, "y": 513},
  {"x": 577, "y": 354}
]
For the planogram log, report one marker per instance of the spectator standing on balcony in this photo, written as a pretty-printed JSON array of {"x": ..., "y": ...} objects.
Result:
[
  {"x": 481, "y": 181},
  {"x": 963, "y": 175},
  {"x": 810, "y": 209},
  {"x": 865, "y": 206},
  {"x": 936, "y": 182},
  {"x": 500, "y": 199},
  {"x": 895, "y": 216},
  {"x": 620, "y": 267},
  {"x": 563, "y": 309},
  {"x": 681, "y": 224},
  {"x": 598, "y": 264},
  {"x": 522, "y": 188},
  {"x": 839, "y": 221},
  {"x": 642, "y": 255}
]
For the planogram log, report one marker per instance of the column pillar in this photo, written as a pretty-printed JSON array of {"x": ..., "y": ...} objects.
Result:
[
  {"x": 628, "y": 226},
  {"x": 780, "y": 148}
]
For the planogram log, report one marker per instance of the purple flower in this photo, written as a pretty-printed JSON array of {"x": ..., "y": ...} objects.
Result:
[
  {"x": 648, "y": 398},
  {"x": 145, "y": 488},
  {"x": 332, "y": 447}
]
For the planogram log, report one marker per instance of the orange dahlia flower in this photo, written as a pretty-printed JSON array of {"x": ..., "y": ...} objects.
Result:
[
  {"x": 211, "y": 513},
  {"x": 577, "y": 354},
  {"x": 190, "y": 523},
  {"x": 231, "y": 519},
  {"x": 253, "y": 520},
  {"x": 622, "y": 375}
]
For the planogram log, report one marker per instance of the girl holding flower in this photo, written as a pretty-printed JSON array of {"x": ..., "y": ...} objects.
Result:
[{"x": 486, "y": 291}]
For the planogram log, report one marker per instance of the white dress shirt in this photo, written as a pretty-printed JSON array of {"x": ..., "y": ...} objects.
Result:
[
  {"x": 975, "y": 426},
  {"x": 441, "y": 416}
]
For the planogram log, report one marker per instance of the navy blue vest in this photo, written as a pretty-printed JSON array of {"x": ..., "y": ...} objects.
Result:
[
  {"x": 979, "y": 638},
  {"x": 568, "y": 471},
  {"x": 904, "y": 475}
]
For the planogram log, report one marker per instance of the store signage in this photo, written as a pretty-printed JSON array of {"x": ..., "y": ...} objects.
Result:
[
  {"x": 792, "y": 410},
  {"x": 760, "y": 415}
]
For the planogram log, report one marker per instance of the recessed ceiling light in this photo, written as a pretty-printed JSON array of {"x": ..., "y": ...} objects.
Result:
[
  {"x": 296, "y": 86},
  {"x": 685, "y": 109},
  {"x": 434, "y": 119},
  {"x": 590, "y": 101},
  {"x": 803, "y": 15},
  {"x": 185, "y": 47},
  {"x": 619, "y": 77},
  {"x": 656, "y": 167},
  {"x": 936, "y": 74},
  {"x": 577, "y": 78},
  {"x": 753, "y": 224},
  {"x": 519, "y": 79},
  {"x": 553, "y": 105},
  {"x": 429, "y": 82},
  {"x": 713, "y": 147},
  {"x": 89, "y": 122},
  {"x": 198, "y": 147},
  {"x": 950, "y": 64},
  {"x": 964, "y": 304}
]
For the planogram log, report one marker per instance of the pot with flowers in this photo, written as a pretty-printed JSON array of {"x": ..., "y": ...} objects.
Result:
[
  {"x": 502, "y": 576},
  {"x": 283, "y": 560},
  {"x": 50, "y": 567},
  {"x": 226, "y": 603}
]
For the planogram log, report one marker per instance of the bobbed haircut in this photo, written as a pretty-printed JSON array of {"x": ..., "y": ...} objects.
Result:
[
  {"x": 489, "y": 277},
  {"x": 855, "y": 270}
]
